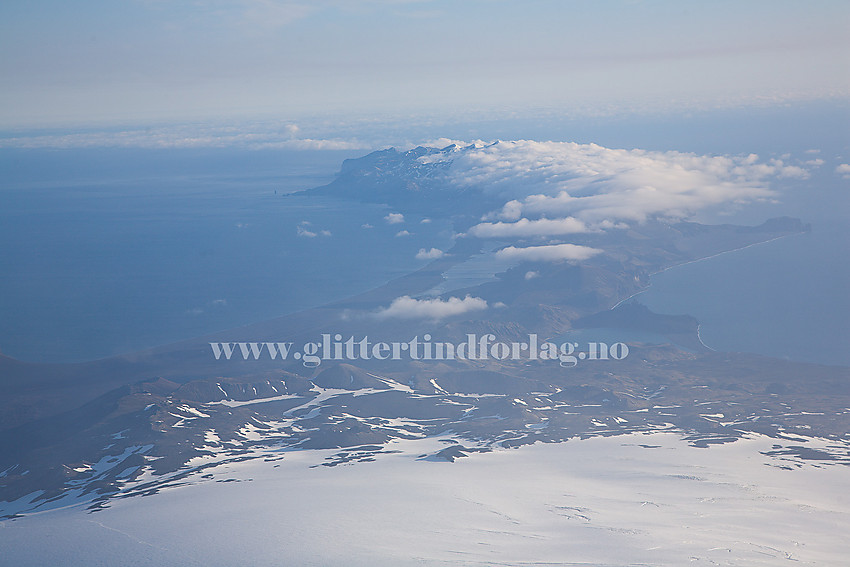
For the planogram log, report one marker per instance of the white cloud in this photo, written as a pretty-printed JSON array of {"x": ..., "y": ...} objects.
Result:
[
  {"x": 556, "y": 181},
  {"x": 548, "y": 253},
  {"x": 431, "y": 254},
  {"x": 394, "y": 218},
  {"x": 424, "y": 221},
  {"x": 525, "y": 227},
  {"x": 793, "y": 171},
  {"x": 815, "y": 162},
  {"x": 406, "y": 307},
  {"x": 366, "y": 225},
  {"x": 304, "y": 232},
  {"x": 843, "y": 170},
  {"x": 532, "y": 275},
  {"x": 402, "y": 233}
]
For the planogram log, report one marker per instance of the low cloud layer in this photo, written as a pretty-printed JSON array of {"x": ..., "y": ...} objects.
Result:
[
  {"x": 548, "y": 253},
  {"x": 526, "y": 228},
  {"x": 406, "y": 307},
  {"x": 558, "y": 188},
  {"x": 253, "y": 136}
]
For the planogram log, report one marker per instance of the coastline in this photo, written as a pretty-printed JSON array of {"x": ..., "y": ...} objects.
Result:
[{"x": 661, "y": 271}]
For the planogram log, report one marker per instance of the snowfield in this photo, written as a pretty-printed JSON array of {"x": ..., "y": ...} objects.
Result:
[{"x": 639, "y": 499}]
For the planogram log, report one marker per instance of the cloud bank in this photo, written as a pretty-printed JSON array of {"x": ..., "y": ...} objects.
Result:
[
  {"x": 406, "y": 307},
  {"x": 548, "y": 253},
  {"x": 558, "y": 188},
  {"x": 181, "y": 136},
  {"x": 525, "y": 228}
]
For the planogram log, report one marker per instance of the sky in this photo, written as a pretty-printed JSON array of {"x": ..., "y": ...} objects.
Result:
[{"x": 122, "y": 61}]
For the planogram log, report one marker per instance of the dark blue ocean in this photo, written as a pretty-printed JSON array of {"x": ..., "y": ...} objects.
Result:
[
  {"x": 110, "y": 251},
  {"x": 786, "y": 298}
]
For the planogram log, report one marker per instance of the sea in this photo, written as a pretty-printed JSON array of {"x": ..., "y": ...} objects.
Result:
[
  {"x": 785, "y": 298},
  {"x": 105, "y": 251},
  {"x": 110, "y": 251}
]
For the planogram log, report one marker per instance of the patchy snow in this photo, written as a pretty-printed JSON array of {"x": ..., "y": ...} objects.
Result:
[
  {"x": 236, "y": 404},
  {"x": 189, "y": 409},
  {"x": 107, "y": 463},
  {"x": 393, "y": 385}
]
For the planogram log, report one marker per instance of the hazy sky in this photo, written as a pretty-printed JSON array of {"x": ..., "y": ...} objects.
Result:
[{"x": 96, "y": 61}]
